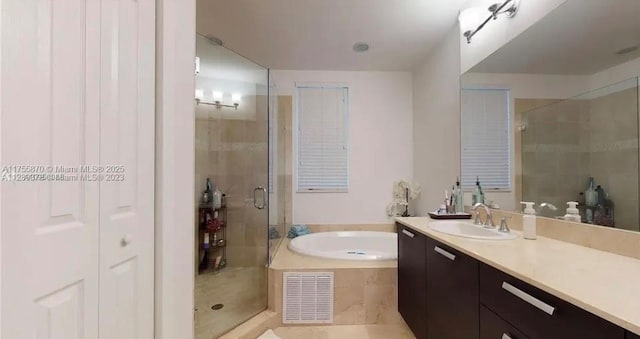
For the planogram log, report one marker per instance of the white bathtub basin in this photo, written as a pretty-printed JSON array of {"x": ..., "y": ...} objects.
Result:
[
  {"x": 469, "y": 230},
  {"x": 348, "y": 245}
]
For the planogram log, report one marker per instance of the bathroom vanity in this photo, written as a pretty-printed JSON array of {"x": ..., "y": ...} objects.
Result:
[{"x": 453, "y": 287}]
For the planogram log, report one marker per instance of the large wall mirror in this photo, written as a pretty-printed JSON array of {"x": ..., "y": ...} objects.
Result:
[{"x": 554, "y": 115}]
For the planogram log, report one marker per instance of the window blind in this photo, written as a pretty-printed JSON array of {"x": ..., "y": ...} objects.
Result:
[
  {"x": 485, "y": 138},
  {"x": 322, "y": 147}
]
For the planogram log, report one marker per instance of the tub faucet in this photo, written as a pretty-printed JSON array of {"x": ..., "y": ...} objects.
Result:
[{"x": 489, "y": 222}]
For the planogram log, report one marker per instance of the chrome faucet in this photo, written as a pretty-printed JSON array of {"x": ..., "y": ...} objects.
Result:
[
  {"x": 489, "y": 222},
  {"x": 504, "y": 228}
]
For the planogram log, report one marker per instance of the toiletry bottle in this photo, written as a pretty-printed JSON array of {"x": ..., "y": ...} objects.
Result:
[
  {"x": 206, "y": 243},
  {"x": 206, "y": 195},
  {"x": 591, "y": 195},
  {"x": 217, "y": 198},
  {"x": 529, "y": 221},
  {"x": 601, "y": 195},
  {"x": 572, "y": 212},
  {"x": 476, "y": 196},
  {"x": 459, "y": 198}
]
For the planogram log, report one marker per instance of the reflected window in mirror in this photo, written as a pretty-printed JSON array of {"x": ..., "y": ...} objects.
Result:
[{"x": 485, "y": 139}]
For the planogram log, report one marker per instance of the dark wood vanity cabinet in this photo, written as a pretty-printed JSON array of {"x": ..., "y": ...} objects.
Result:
[
  {"x": 537, "y": 314},
  {"x": 412, "y": 280},
  {"x": 494, "y": 327},
  {"x": 444, "y": 294},
  {"x": 632, "y": 336},
  {"x": 452, "y": 293}
]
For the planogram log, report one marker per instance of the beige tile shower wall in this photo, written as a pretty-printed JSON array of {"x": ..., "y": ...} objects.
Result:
[
  {"x": 554, "y": 150},
  {"x": 232, "y": 152},
  {"x": 282, "y": 170},
  {"x": 613, "y": 160},
  {"x": 521, "y": 106},
  {"x": 566, "y": 142}
]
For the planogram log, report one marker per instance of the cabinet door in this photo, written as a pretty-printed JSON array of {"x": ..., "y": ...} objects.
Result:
[
  {"x": 494, "y": 327},
  {"x": 632, "y": 336},
  {"x": 412, "y": 280},
  {"x": 452, "y": 293},
  {"x": 538, "y": 314}
]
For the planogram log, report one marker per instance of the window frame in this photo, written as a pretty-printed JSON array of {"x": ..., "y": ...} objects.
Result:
[
  {"x": 296, "y": 134},
  {"x": 510, "y": 139}
]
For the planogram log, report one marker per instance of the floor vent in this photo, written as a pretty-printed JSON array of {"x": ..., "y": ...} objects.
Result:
[{"x": 307, "y": 297}]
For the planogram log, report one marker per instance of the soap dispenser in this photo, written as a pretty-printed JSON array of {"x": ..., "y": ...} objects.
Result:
[
  {"x": 572, "y": 212},
  {"x": 529, "y": 221}
]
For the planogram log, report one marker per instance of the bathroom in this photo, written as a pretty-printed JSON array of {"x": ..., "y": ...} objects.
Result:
[{"x": 320, "y": 169}]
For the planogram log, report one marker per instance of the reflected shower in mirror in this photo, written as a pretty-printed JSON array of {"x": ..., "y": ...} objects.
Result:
[{"x": 572, "y": 80}]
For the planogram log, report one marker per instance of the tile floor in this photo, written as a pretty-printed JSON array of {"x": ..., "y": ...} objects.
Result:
[
  {"x": 242, "y": 290},
  {"x": 345, "y": 332}
]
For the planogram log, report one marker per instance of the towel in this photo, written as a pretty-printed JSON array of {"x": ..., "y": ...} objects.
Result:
[
  {"x": 268, "y": 335},
  {"x": 298, "y": 230},
  {"x": 273, "y": 233}
]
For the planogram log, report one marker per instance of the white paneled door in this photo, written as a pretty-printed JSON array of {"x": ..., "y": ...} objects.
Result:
[
  {"x": 77, "y": 156},
  {"x": 127, "y": 157}
]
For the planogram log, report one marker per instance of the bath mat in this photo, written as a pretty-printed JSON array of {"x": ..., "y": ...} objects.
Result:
[{"x": 268, "y": 335}]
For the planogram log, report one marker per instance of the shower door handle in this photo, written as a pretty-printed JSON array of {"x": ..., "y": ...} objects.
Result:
[{"x": 264, "y": 197}]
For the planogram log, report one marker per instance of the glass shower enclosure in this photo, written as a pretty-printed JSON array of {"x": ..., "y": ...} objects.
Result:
[{"x": 233, "y": 184}]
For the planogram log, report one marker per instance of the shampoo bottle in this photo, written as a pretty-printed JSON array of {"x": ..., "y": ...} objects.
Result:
[
  {"x": 459, "y": 197},
  {"x": 529, "y": 221},
  {"x": 572, "y": 212},
  {"x": 591, "y": 195},
  {"x": 217, "y": 198},
  {"x": 477, "y": 193}
]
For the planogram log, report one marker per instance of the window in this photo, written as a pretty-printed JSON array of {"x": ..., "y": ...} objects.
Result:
[
  {"x": 485, "y": 139},
  {"x": 322, "y": 138}
]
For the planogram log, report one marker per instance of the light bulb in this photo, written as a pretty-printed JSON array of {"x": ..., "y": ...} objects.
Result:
[
  {"x": 217, "y": 96},
  {"x": 199, "y": 93},
  {"x": 236, "y": 98}
]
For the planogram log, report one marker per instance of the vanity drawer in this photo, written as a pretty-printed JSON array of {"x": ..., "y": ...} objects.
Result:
[
  {"x": 538, "y": 314},
  {"x": 493, "y": 327}
]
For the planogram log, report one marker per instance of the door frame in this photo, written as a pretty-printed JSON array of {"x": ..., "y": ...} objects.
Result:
[{"x": 175, "y": 168}]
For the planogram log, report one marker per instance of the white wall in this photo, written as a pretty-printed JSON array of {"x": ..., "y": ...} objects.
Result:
[
  {"x": 436, "y": 122},
  {"x": 499, "y": 32},
  {"x": 380, "y": 146},
  {"x": 615, "y": 74}
]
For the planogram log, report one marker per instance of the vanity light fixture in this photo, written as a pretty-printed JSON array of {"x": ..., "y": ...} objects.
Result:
[
  {"x": 508, "y": 7},
  {"x": 217, "y": 99},
  {"x": 235, "y": 98}
]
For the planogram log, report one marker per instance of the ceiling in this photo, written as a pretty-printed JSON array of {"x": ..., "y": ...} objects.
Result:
[
  {"x": 319, "y": 34},
  {"x": 581, "y": 37}
]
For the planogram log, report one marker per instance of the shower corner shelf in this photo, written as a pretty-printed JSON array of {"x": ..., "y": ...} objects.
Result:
[{"x": 217, "y": 248}]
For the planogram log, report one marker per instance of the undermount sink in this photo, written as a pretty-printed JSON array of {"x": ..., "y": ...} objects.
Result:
[{"x": 469, "y": 230}]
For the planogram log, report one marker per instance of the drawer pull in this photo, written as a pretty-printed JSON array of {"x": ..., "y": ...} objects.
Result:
[
  {"x": 506, "y": 336},
  {"x": 444, "y": 253},
  {"x": 407, "y": 233},
  {"x": 546, "y": 308}
]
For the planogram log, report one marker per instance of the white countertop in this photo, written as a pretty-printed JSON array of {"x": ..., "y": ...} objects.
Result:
[{"x": 603, "y": 283}]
